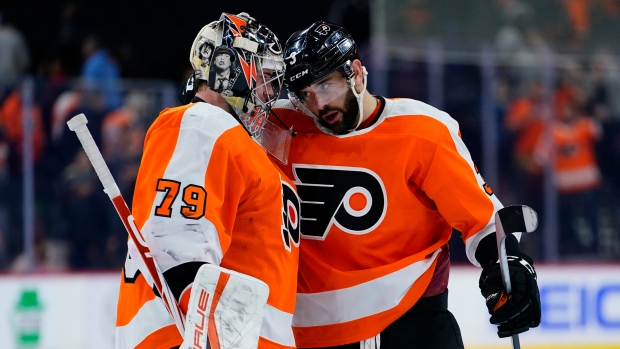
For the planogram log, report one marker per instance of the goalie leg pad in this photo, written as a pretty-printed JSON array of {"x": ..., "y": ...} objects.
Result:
[{"x": 225, "y": 309}]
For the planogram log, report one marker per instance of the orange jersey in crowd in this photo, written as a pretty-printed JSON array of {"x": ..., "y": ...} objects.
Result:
[
  {"x": 378, "y": 206},
  {"x": 576, "y": 168},
  {"x": 525, "y": 118},
  {"x": 207, "y": 192},
  {"x": 11, "y": 123}
]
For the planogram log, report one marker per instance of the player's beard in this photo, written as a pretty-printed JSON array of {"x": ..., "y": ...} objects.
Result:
[{"x": 349, "y": 111}]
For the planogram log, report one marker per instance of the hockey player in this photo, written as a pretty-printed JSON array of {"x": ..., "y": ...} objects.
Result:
[
  {"x": 383, "y": 182},
  {"x": 208, "y": 195}
]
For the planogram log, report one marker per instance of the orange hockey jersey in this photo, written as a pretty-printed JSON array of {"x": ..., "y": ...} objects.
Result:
[
  {"x": 377, "y": 208},
  {"x": 575, "y": 165},
  {"x": 207, "y": 192}
]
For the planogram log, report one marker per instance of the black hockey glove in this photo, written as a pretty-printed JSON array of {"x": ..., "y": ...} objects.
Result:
[{"x": 520, "y": 310}]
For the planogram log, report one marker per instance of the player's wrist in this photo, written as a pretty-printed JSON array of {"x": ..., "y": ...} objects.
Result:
[{"x": 486, "y": 252}]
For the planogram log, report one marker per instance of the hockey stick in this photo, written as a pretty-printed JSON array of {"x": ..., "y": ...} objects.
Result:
[
  {"x": 510, "y": 220},
  {"x": 78, "y": 125}
]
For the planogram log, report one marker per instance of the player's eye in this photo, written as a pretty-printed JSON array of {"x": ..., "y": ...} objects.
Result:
[
  {"x": 303, "y": 95},
  {"x": 324, "y": 86}
]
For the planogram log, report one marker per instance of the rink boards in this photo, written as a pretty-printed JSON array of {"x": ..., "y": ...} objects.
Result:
[{"x": 581, "y": 309}]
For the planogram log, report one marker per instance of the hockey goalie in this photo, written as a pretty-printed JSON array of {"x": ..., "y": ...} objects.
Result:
[{"x": 220, "y": 219}]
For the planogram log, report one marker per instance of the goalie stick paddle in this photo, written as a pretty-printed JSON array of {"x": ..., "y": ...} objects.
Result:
[
  {"x": 77, "y": 124},
  {"x": 510, "y": 220}
]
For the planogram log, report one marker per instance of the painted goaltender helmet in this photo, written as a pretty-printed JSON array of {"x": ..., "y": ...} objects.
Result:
[
  {"x": 257, "y": 67},
  {"x": 253, "y": 80}
]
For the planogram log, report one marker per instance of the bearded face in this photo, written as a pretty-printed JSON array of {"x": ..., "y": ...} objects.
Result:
[{"x": 348, "y": 114}]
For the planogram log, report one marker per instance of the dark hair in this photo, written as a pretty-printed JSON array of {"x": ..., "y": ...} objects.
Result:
[{"x": 224, "y": 50}]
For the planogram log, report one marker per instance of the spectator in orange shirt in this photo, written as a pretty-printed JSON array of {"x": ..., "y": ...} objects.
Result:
[
  {"x": 11, "y": 120},
  {"x": 11, "y": 155},
  {"x": 524, "y": 120},
  {"x": 576, "y": 172}
]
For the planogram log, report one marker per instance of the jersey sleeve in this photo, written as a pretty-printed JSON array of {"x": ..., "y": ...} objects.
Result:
[{"x": 454, "y": 183}]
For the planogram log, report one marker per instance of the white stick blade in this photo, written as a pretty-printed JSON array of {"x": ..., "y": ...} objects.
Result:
[
  {"x": 530, "y": 218},
  {"x": 517, "y": 219}
]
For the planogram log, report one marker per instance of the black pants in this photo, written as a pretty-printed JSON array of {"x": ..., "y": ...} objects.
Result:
[{"x": 427, "y": 325}]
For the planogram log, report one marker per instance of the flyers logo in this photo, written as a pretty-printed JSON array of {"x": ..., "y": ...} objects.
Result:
[
  {"x": 274, "y": 48},
  {"x": 254, "y": 122},
  {"x": 290, "y": 216},
  {"x": 352, "y": 198},
  {"x": 323, "y": 29}
]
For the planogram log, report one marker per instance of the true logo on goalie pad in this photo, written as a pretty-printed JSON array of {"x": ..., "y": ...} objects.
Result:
[
  {"x": 199, "y": 327},
  {"x": 225, "y": 310}
]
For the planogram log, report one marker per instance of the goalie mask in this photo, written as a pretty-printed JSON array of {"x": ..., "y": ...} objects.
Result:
[{"x": 241, "y": 59}]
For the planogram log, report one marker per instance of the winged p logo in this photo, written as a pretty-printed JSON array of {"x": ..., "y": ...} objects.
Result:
[
  {"x": 290, "y": 216},
  {"x": 352, "y": 198},
  {"x": 323, "y": 29}
]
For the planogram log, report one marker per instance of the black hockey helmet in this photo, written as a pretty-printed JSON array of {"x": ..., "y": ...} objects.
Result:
[{"x": 316, "y": 52}]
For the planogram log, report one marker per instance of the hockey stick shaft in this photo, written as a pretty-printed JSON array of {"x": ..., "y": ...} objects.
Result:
[
  {"x": 503, "y": 265},
  {"x": 510, "y": 220},
  {"x": 78, "y": 125},
  {"x": 503, "y": 257}
]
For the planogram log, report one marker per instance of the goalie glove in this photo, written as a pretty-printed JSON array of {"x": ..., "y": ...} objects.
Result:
[{"x": 517, "y": 312}]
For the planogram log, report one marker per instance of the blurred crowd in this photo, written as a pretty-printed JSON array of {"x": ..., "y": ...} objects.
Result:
[
  {"x": 565, "y": 123},
  {"x": 558, "y": 104},
  {"x": 75, "y": 224}
]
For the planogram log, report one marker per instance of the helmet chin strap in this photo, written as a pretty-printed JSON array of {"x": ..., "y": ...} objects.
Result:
[{"x": 359, "y": 96}]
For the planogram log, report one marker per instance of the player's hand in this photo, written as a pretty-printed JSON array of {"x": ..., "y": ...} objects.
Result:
[{"x": 520, "y": 310}]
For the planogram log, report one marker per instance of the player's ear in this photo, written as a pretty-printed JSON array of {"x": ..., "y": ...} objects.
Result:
[
  {"x": 356, "y": 66},
  {"x": 358, "y": 75}
]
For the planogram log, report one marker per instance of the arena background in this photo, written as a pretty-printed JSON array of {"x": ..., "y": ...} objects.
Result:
[{"x": 504, "y": 69}]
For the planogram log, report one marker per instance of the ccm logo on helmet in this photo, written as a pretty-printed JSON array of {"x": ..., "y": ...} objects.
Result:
[
  {"x": 299, "y": 75},
  {"x": 352, "y": 198}
]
